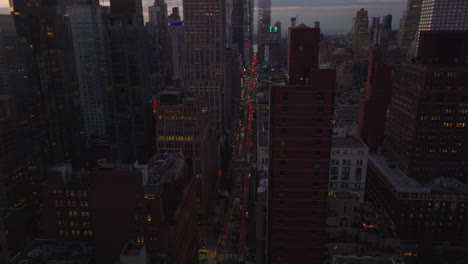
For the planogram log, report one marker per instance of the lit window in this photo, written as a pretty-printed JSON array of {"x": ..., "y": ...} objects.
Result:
[{"x": 148, "y": 218}]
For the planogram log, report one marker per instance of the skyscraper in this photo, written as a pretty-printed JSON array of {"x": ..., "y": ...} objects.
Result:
[
  {"x": 264, "y": 18},
  {"x": 409, "y": 25},
  {"x": 241, "y": 27},
  {"x": 387, "y": 21},
  {"x": 184, "y": 123},
  {"x": 439, "y": 15},
  {"x": 361, "y": 33},
  {"x": 158, "y": 24},
  {"x": 426, "y": 132},
  {"x": 176, "y": 34},
  {"x": 49, "y": 93},
  {"x": 373, "y": 108},
  {"x": 128, "y": 7},
  {"x": 300, "y": 153},
  {"x": 91, "y": 66},
  {"x": 374, "y": 27},
  {"x": 204, "y": 68},
  {"x": 131, "y": 112}
]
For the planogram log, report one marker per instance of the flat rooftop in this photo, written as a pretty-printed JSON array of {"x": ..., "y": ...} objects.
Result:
[
  {"x": 162, "y": 166},
  {"x": 403, "y": 183},
  {"x": 132, "y": 249},
  {"x": 397, "y": 177},
  {"x": 347, "y": 142}
]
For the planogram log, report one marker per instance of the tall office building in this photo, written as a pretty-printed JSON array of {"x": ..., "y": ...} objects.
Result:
[
  {"x": 158, "y": 14},
  {"x": 131, "y": 110},
  {"x": 248, "y": 30},
  {"x": 176, "y": 34},
  {"x": 205, "y": 40},
  {"x": 361, "y": 33},
  {"x": 409, "y": 25},
  {"x": 184, "y": 123},
  {"x": 374, "y": 27},
  {"x": 49, "y": 92},
  {"x": 300, "y": 154},
  {"x": 132, "y": 8},
  {"x": 264, "y": 18},
  {"x": 387, "y": 21},
  {"x": 161, "y": 45},
  {"x": 439, "y": 15},
  {"x": 91, "y": 66},
  {"x": 373, "y": 107},
  {"x": 239, "y": 19},
  {"x": 426, "y": 132}
]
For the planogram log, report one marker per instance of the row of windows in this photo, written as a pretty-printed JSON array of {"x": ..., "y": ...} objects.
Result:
[
  {"x": 70, "y": 193},
  {"x": 346, "y": 152},
  {"x": 73, "y": 214},
  {"x": 345, "y": 173},
  {"x": 71, "y": 203},
  {"x": 74, "y": 223},
  {"x": 85, "y": 233},
  {"x": 346, "y": 162}
]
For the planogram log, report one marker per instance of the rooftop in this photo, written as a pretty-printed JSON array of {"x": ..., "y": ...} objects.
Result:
[
  {"x": 403, "y": 183},
  {"x": 353, "y": 259},
  {"x": 164, "y": 166},
  {"x": 132, "y": 249},
  {"x": 55, "y": 251},
  {"x": 397, "y": 177},
  {"x": 347, "y": 142}
]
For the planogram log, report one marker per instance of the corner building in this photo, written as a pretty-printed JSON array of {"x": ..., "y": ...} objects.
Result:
[{"x": 301, "y": 114}]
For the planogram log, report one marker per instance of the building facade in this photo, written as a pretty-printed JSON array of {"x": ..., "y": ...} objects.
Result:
[
  {"x": 300, "y": 147},
  {"x": 184, "y": 123},
  {"x": 204, "y": 68},
  {"x": 373, "y": 107},
  {"x": 361, "y": 33},
  {"x": 426, "y": 128},
  {"x": 348, "y": 167},
  {"x": 409, "y": 25}
]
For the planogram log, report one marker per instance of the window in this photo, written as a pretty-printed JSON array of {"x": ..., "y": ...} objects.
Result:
[
  {"x": 284, "y": 130},
  {"x": 360, "y": 162},
  {"x": 345, "y": 173},
  {"x": 284, "y": 109},
  {"x": 358, "y": 174},
  {"x": 148, "y": 218},
  {"x": 335, "y": 162},
  {"x": 334, "y": 173},
  {"x": 320, "y": 109},
  {"x": 284, "y": 97},
  {"x": 284, "y": 120}
]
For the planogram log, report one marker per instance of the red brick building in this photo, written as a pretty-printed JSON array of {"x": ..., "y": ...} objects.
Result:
[
  {"x": 373, "y": 108},
  {"x": 301, "y": 119},
  {"x": 153, "y": 204}
]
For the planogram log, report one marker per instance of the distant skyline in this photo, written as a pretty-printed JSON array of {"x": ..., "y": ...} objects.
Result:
[{"x": 334, "y": 15}]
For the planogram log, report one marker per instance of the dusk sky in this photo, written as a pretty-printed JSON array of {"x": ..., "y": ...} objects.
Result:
[{"x": 334, "y": 15}]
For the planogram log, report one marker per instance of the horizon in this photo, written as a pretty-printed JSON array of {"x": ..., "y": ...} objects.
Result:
[{"x": 335, "y": 16}]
